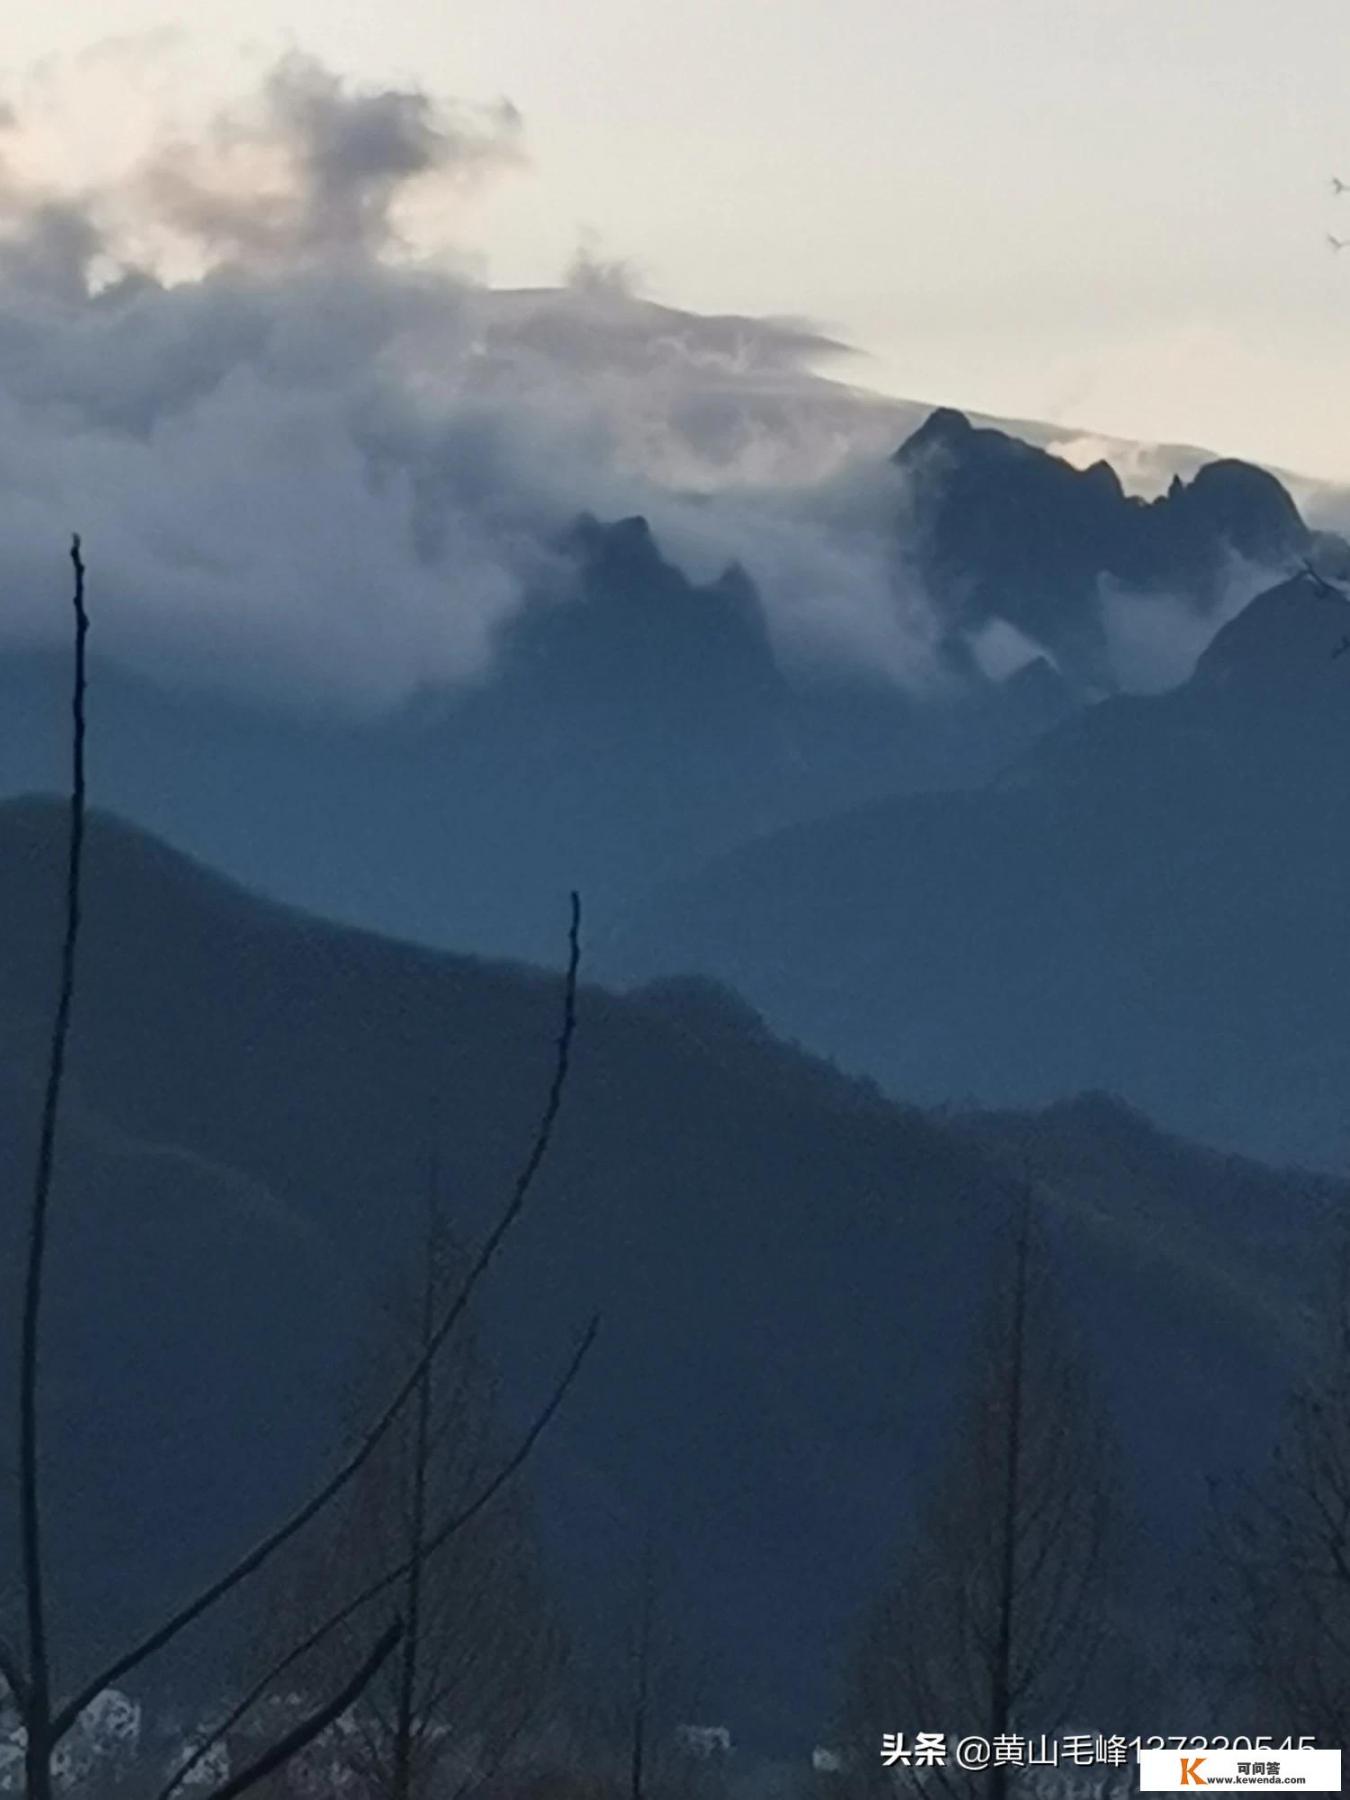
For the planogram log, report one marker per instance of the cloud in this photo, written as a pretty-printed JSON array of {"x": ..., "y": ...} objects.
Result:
[
  {"x": 245, "y": 350},
  {"x": 1143, "y": 469},
  {"x": 1001, "y": 649},
  {"x": 312, "y": 454},
  {"x": 830, "y": 558},
  {"x": 310, "y": 167},
  {"x": 1155, "y": 639}
]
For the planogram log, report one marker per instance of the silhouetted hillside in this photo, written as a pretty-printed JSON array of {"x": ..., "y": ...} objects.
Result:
[
  {"x": 782, "y": 1260},
  {"x": 634, "y": 723},
  {"x": 1009, "y": 531},
  {"x": 1152, "y": 902}
]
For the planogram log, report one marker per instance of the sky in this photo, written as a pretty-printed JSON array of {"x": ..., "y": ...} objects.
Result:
[
  {"x": 1109, "y": 214},
  {"x": 324, "y": 323}
]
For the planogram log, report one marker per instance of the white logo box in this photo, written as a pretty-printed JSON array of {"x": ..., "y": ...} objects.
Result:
[{"x": 1253, "y": 1771}]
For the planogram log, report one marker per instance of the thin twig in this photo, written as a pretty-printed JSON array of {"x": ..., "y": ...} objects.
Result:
[
  {"x": 315, "y": 1724},
  {"x": 34, "y": 1696},
  {"x": 441, "y": 1536},
  {"x": 261, "y": 1552}
]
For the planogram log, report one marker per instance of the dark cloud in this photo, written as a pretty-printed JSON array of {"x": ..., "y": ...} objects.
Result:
[
  {"x": 310, "y": 455},
  {"x": 313, "y": 167}
]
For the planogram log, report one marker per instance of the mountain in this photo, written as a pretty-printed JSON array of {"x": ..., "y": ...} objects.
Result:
[
  {"x": 784, "y": 1261},
  {"x": 637, "y": 723},
  {"x": 1150, "y": 902},
  {"x": 1008, "y": 531}
]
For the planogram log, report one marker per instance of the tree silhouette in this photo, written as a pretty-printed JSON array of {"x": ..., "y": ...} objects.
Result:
[
  {"x": 1281, "y": 1549},
  {"x": 46, "y": 1718},
  {"x": 477, "y": 1685},
  {"x": 996, "y": 1609}
]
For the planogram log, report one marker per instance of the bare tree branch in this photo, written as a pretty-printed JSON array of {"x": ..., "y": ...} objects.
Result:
[
  {"x": 1280, "y": 1545},
  {"x": 441, "y": 1536},
  {"x": 34, "y": 1694},
  {"x": 315, "y": 1724},
  {"x": 404, "y": 1735},
  {"x": 261, "y": 1552},
  {"x": 996, "y": 1607},
  {"x": 1002, "y": 1694}
]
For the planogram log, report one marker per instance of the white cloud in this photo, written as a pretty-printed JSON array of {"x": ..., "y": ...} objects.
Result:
[
  {"x": 305, "y": 445},
  {"x": 1000, "y": 649},
  {"x": 1155, "y": 639},
  {"x": 244, "y": 349}
]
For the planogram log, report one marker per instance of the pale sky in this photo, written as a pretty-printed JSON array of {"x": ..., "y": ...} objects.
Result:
[{"x": 1104, "y": 213}]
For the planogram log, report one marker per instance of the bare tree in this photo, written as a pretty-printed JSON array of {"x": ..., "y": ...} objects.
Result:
[
  {"x": 648, "y": 1733},
  {"x": 47, "y": 1719},
  {"x": 31, "y": 1686},
  {"x": 1281, "y": 1551},
  {"x": 477, "y": 1686},
  {"x": 643, "y": 1651},
  {"x": 997, "y": 1607}
]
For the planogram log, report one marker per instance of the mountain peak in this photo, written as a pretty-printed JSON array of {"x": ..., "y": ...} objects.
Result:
[
  {"x": 943, "y": 427},
  {"x": 1243, "y": 505},
  {"x": 1287, "y": 639},
  {"x": 620, "y": 545},
  {"x": 1009, "y": 531},
  {"x": 1104, "y": 476}
]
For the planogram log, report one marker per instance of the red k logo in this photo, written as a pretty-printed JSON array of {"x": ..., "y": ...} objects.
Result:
[{"x": 1190, "y": 1772}]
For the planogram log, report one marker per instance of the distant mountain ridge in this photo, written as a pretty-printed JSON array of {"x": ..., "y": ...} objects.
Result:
[
  {"x": 1151, "y": 901},
  {"x": 638, "y": 722},
  {"x": 784, "y": 1262},
  {"x": 1009, "y": 531}
]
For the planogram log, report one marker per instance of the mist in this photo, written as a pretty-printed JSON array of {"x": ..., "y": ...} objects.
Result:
[
  {"x": 316, "y": 456},
  {"x": 308, "y": 444}
]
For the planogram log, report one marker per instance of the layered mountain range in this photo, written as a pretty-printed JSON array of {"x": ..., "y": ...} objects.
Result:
[
  {"x": 637, "y": 722},
  {"x": 1151, "y": 901},
  {"x": 786, "y": 1264},
  {"x": 1008, "y": 532},
  {"x": 1106, "y": 916}
]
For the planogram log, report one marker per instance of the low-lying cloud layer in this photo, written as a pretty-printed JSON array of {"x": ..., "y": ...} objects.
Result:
[
  {"x": 305, "y": 445},
  {"x": 314, "y": 454},
  {"x": 1155, "y": 639}
]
